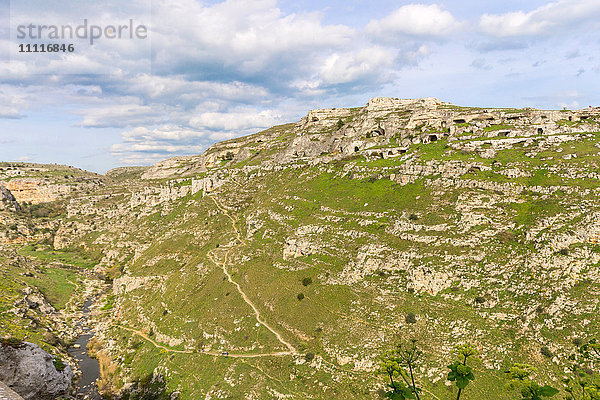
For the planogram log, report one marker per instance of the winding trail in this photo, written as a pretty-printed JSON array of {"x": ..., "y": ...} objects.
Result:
[
  {"x": 155, "y": 343},
  {"x": 223, "y": 265},
  {"x": 208, "y": 353}
]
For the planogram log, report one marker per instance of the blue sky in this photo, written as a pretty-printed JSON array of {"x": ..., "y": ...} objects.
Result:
[{"x": 214, "y": 70}]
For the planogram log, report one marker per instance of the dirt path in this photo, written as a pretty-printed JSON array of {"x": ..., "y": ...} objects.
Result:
[
  {"x": 259, "y": 319},
  {"x": 209, "y": 353},
  {"x": 155, "y": 343},
  {"x": 223, "y": 265}
]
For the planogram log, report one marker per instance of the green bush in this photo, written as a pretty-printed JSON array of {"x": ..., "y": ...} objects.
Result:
[
  {"x": 58, "y": 364},
  {"x": 546, "y": 352},
  {"x": 12, "y": 342},
  {"x": 410, "y": 318},
  {"x": 306, "y": 281}
]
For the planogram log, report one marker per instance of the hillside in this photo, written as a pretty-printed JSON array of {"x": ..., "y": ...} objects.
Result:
[{"x": 284, "y": 263}]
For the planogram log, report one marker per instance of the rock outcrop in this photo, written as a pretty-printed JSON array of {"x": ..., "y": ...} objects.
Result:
[
  {"x": 8, "y": 201},
  {"x": 7, "y": 393},
  {"x": 33, "y": 373},
  {"x": 36, "y": 191},
  {"x": 39, "y": 183}
]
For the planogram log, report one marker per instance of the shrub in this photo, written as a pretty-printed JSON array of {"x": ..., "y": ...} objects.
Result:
[
  {"x": 306, "y": 281},
  {"x": 506, "y": 236},
  {"x": 151, "y": 387},
  {"x": 577, "y": 342},
  {"x": 546, "y": 352},
  {"x": 300, "y": 296},
  {"x": 58, "y": 364},
  {"x": 309, "y": 357},
  {"x": 540, "y": 309},
  {"x": 479, "y": 299},
  {"x": 564, "y": 252},
  {"x": 410, "y": 318},
  {"x": 51, "y": 338},
  {"x": 228, "y": 156},
  {"x": 12, "y": 342},
  {"x": 413, "y": 217}
]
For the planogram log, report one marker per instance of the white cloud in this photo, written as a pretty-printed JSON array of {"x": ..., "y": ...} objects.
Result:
[
  {"x": 12, "y": 103},
  {"x": 165, "y": 132},
  {"x": 157, "y": 148},
  {"x": 415, "y": 20},
  {"x": 240, "y": 120},
  {"x": 123, "y": 115},
  {"x": 247, "y": 36},
  {"x": 143, "y": 145},
  {"x": 371, "y": 63},
  {"x": 549, "y": 19},
  {"x": 178, "y": 87},
  {"x": 414, "y": 56}
]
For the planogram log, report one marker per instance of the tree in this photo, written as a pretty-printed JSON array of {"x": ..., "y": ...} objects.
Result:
[
  {"x": 391, "y": 367},
  {"x": 584, "y": 382},
  {"x": 401, "y": 363},
  {"x": 519, "y": 379},
  {"x": 460, "y": 373}
]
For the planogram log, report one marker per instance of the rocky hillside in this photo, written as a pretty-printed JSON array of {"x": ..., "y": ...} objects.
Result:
[
  {"x": 283, "y": 264},
  {"x": 38, "y": 183}
]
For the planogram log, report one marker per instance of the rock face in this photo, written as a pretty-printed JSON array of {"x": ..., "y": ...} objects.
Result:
[
  {"x": 7, "y": 200},
  {"x": 38, "y": 183},
  {"x": 36, "y": 190},
  {"x": 31, "y": 372},
  {"x": 7, "y": 393}
]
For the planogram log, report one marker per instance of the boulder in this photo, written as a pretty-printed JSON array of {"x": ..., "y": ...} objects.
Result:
[
  {"x": 7, "y": 200},
  {"x": 33, "y": 373},
  {"x": 7, "y": 393}
]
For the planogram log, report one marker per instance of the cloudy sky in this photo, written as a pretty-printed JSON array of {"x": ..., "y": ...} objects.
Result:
[{"x": 212, "y": 70}]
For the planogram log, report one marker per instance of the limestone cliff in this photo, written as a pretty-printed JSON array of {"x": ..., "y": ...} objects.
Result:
[
  {"x": 33, "y": 373},
  {"x": 8, "y": 201}
]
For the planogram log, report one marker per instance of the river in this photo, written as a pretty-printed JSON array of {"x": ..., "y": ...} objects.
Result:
[{"x": 89, "y": 367}]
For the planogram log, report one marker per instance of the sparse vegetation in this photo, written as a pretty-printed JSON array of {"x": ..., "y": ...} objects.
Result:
[
  {"x": 460, "y": 238},
  {"x": 58, "y": 364}
]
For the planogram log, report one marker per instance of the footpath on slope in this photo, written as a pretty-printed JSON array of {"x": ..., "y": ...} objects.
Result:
[
  {"x": 259, "y": 319},
  {"x": 257, "y": 315}
]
